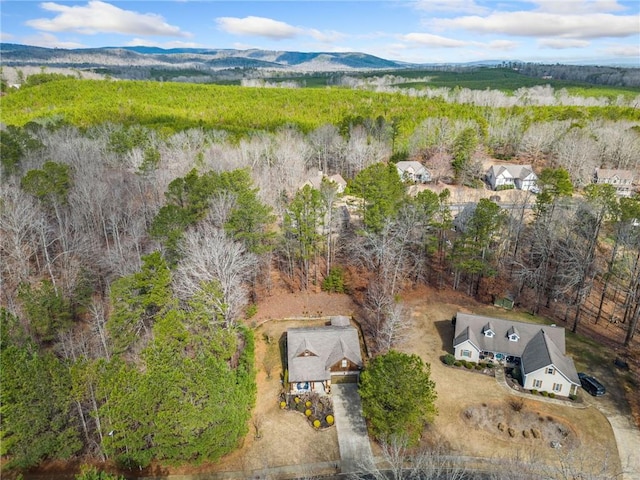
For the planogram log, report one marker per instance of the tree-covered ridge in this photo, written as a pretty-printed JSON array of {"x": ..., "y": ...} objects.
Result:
[
  {"x": 174, "y": 107},
  {"x": 130, "y": 254}
]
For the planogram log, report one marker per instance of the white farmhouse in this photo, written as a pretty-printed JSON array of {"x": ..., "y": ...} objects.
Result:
[
  {"x": 413, "y": 171},
  {"x": 521, "y": 177},
  {"x": 538, "y": 350}
]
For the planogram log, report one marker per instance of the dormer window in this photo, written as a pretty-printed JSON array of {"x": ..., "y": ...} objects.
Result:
[
  {"x": 488, "y": 330},
  {"x": 513, "y": 335}
]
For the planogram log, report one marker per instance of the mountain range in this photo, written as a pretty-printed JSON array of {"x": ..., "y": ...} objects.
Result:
[{"x": 191, "y": 58}]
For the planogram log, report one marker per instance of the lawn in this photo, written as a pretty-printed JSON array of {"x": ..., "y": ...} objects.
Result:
[{"x": 461, "y": 390}]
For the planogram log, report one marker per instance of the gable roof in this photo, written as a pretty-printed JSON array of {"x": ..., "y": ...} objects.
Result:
[
  {"x": 511, "y": 171},
  {"x": 542, "y": 352},
  {"x": 329, "y": 344},
  {"x": 502, "y": 328},
  {"x": 605, "y": 173},
  {"x": 538, "y": 346},
  {"x": 412, "y": 165}
]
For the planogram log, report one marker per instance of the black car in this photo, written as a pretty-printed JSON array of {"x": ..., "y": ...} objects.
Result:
[{"x": 591, "y": 385}]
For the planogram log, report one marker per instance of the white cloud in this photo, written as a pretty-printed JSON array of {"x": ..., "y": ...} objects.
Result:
[
  {"x": 538, "y": 24},
  {"x": 142, "y": 42},
  {"x": 100, "y": 17},
  {"x": 578, "y": 6},
  {"x": 460, "y": 6},
  {"x": 429, "y": 40},
  {"x": 502, "y": 45},
  {"x": 258, "y": 27},
  {"x": 49, "y": 40},
  {"x": 632, "y": 51},
  {"x": 328, "y": 36},
  {"x": 563, "y": 43},
  {"x": 5, "y": 36}
]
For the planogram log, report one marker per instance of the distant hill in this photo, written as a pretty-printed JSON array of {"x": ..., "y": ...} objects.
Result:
[{"x": 190, "y": 58}]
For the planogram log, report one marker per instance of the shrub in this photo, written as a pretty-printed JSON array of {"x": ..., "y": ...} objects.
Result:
[
  {"x": 329, "y": 419},
  {"x": 307, "y": 412},
  {"x": 283, "y": 404},
  {"x": 251, "y": 310},
  {"x": 479, "y": 367},
  {"x": 504, "y": 187},
  {"x": 307, "y": 403},
  {"x": 573, "y": 397},
  {"x": 534, "y": 392},
  {"x": 544, "y": 393},
  {"x": 449, "y": 359},
  {"x": 491, "y": 365},
  {"x": 535, "y": 432},
  {"x": 552, "y": 395},
  {"x": 526, "y": 434},
  {"x": 468, "y": 365},
  {"x": 296, "y": 399},
  {"x": 516, "y": 404},
  {"x": 501, "y": 427},
  {"x": 512, "y": 432},
  {"x": 457, "y": 363},
  {"x": 316, "y": 424}
]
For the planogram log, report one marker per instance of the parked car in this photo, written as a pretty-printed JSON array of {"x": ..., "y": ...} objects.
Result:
[{"x": 591, "y": 385}]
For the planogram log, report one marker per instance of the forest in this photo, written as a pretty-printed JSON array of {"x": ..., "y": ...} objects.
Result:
[{"x": 141, "y": 223}]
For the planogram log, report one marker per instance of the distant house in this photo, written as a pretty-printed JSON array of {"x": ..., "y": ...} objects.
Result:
[
  {"x": 622, "y": 180},
  {"x": 315, "y": 181},
  {"x": 318, "y": 356},
  {"x": 413, "y": 171},
  {"x": 538, "y": 350},
  {"x": 521, "y": 177}
]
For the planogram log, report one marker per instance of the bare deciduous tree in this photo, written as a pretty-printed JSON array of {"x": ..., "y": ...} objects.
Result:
[{"x": 210, "y": 255}]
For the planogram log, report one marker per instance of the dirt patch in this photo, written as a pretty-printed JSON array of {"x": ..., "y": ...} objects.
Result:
[{"x": 519, "y": 425}]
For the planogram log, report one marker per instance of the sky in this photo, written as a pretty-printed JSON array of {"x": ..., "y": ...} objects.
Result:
[{"x": 420, "y": 31}]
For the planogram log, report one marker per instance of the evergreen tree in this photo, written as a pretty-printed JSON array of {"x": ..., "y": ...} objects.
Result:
[
  {"x": 398, "y": 396},
  {"x": 382, "y": 193}
]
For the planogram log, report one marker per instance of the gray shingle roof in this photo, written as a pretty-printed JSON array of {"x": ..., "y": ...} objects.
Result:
[
  {"x": 542, "y": 352},
  {"x": 329, "y": 345},
  {"x": 538, "y": 345},
  {"x": 515, "y": 171},
  {"x": 500, "y": 341}
]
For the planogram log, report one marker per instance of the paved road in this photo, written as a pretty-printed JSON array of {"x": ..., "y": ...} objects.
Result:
[{"x": 355, "y": 449}]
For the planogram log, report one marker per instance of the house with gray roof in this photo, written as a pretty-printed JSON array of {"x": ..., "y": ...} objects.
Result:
[
  {"x": 317, "y": 356},
  {"x": 412, "y": 171},
  {"x": 521, "y": 177},
  {"x": 622, "y": 180},
  {"x": 538, "y": 350}
]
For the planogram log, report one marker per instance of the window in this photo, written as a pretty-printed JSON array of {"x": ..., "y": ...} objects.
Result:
[
  {"x": 537, "y": 384},
  {"x": 513, "y": 337},
  {"x": 557, "y": 387},
  {"x": 550, "y": 370},
  {"x": 344, "y": 363},
  {"x": 489, "y": 334},
  {"x": 466, "y": 353}
]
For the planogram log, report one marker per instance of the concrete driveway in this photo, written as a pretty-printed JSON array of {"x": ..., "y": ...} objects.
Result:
[{"x": 353, "y": 440}]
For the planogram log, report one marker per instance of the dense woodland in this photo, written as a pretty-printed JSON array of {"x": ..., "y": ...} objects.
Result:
[{"x": 140, "y": 224}]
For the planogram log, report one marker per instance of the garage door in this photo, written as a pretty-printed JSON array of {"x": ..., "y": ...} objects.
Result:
[{"x": 344, "y": 379}]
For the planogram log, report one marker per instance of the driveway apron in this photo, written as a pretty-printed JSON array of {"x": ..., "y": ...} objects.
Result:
[{"x": 355, "y": 449}]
